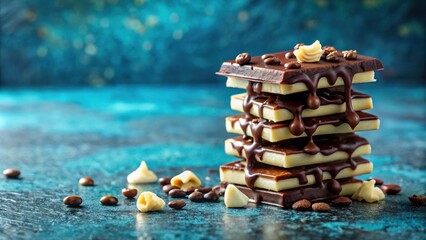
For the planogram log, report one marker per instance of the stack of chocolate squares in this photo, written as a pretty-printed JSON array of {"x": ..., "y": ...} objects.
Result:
[{"x": 299, "y": 115}]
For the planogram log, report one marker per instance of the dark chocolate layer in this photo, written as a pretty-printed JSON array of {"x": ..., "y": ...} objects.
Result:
[
  {"x": 258, "y": 71},
  {"x": 285, "y": 199}
]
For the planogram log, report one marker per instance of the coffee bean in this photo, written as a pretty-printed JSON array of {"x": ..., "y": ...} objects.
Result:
[
  {"x": 189, "y": 190},
  {"x": 391, "y": 189},
  {"x": 204, "y": 189},
  {"x": 333, "y": 57},
  {"x": 211, "y": 196},
  {"x": 86, "y": 181},
  {"x": 378, "y": 180},
  {"x": 298, "y": 46},
  {"x": 196, "y": 197},
  {"x": 292, "y": 65},
  {"x": 109, "y": 200},
  {"x": 129, "y": 192},
  {"x": 177, "y": 204},
  {"x": 243, "y": 58},
  {"x": 219, "y": 190},
  {"x": 11, "y": 173},
  {"x": 272, "y": 61},
  {"x": 301, "y": 205},
  {"x": 289, "y": 55},
  {"x": 168, "y": 187},
  {"x": 350, "y": 54},
  {"x": 177, "y": 193},
  {"x": 73, "y": 201},
  {"x": 342, "y": 201},
  {"x": 265, "y": 56},
  {"x": 417, "y": 200},
  {"x": 334, "y": 186},
  {"x": 164, "y": 181},
  {"x": 321, "y": 207}
]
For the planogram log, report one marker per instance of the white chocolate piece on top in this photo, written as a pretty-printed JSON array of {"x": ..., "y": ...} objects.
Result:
[
  {"x": 142, "y": 175},
  {"x": 309, "y": 53},
  {"x": 185, "y": 180},
  {"x": 234, "y": 198},
  {"x": 368, "y": 192},
  {"x": 278, "y": 115},
  {"x": 285, "y": 89},
  {"x": 149, "y": 201}
]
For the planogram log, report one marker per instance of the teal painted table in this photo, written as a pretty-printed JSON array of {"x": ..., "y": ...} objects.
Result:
[{"x": 55, "y": 136}]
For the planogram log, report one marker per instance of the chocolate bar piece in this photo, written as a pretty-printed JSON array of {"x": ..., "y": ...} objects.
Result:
[
  {"x": 289, "y": 153},
  {"x": 278, "y": 179}
]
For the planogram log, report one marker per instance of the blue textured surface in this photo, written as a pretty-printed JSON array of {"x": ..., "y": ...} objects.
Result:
[
  {"x": 103, "y": 42},
  {"x": 55, "y": 136}
]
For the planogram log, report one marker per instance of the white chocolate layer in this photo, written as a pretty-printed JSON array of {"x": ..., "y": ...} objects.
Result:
[
  {"x": 278, "y": 115},
  {"x": 235, "y": 176},
  {"x": 285, "y": 89},
  {"x": 283, "y": 133},
  {"x": 281, "y": 159}
]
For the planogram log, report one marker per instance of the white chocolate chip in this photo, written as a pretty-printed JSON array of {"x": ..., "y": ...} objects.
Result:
[
  {"x": 234, "y": 198},
  {"x": 368, "y": 192},
  {"x": 309, "y": 53},
  {"x": 148, "y": 202},
  {"x": 142, "y": 175},
  {"x": 185, "y": 180}
]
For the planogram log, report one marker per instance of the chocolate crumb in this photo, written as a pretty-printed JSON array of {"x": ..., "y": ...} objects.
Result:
[
  {"x": 417, "y": 200},
  {"x": 391, "y": 189},
  {"x": 301, "y": 205},
  {"x": 321, "y": 207}
]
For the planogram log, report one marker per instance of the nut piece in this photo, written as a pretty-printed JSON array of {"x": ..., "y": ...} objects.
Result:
[
  {"x": 342, "y": 202},
  {"x": 321, "y": 207},
  {"x": 148, "y": 202},
  {"x": 142, "y": 175},
  {"x": 86, "y": 181},
  {"x": 11, "y": 173},
  {"x": 333, "y": 57},
  {"x": 109, "y": 200},
  {"x": 310, "y": 53},
  {"x": 350, "y": 54},
  {"x": 327, "y": 50},
  {"x": 417, "y": 200},
  {"x": 243, "y": 59},
  {"x": 368, "y": 192},
  {"x": 185, "y": 180},
  {"x": 301, "y": 205},
  {"x": 177, "y": 204},
  {"x": 73, "y": 201},
  {"x": 391, "y": 189},
  {"x": 234, "y": 198},
  {"x": 129, "y": 192}
]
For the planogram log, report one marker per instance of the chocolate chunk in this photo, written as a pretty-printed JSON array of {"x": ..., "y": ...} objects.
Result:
[
  {"x": 350, "y": 54},
  {"x": 243, "y": 58},
  {"x": 417, "y": 200},
  {"x": 333, "y": 57},
  {"x": 196, "y": 196},
  {"x": 86, "y": 181},
  {"x": 129, "y": 192},
  {"x": 164, "y": 181},
  {"x": 204, "y": 189},
  {"x": 334, "y": 186},
  {"x": 272, "y": 61},
  {"x": 301, "y": 205},
  {"x": 168, "y": 187},
  {"x": 211, "y": 196},
  {"x": 378, "y": 181},
  {"x": 109, "y": 200},
  {"x": 341, "y": 202},
  {"x": 177, "y": 204},
  {"x": 11, "y": 173},
  {"x": 327, "y": 50},
  {"x": 391, "y": 189},
  {"x": 265, "y": 56},
  {"x": 321, "y": 207},
  {"x": 73, "y": 201},
  {"x": 177, "y": 193},
  {"x": 292, "y": 65},
  {"x": 297, "y": 46},
  {"x": 289, "y": 55}
]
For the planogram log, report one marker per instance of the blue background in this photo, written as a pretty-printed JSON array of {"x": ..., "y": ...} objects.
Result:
[{"x": 101, "y": 42}]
